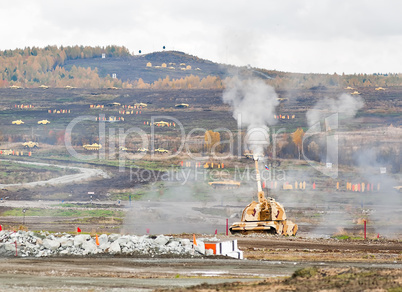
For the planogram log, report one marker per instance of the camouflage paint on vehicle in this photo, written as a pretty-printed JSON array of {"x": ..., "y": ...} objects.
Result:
[{"x": 266, "y": 215}]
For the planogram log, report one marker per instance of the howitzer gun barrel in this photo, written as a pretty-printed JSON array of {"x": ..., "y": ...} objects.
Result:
[{"x": 261, "y": 196}]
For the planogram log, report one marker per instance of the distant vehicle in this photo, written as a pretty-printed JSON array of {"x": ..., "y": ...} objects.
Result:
[
  {"x": 161, "y": 150},
  {"x": 142, "y": 150},
  {"x": 162, "y": 124},
  {"x": 123, "y": 148},
  {"x": 43, "y": 122},
  {"x": 44, "y": 86},
  {"x": 93, "y": 146},
  {"x": 141, "y": 104},
  {"x": 380, "y": 88},
  {"x": 248, "y": 154},
  {"x": 113, "y": 104},
  {"x": 17, "y": 122},
  {"x": 15, "y": 87},
  {"x": 349, "y": 88},
  {"x": 30, "y": 144},
  {"x": 355, "y": 93},
  {"x": 229, "y": 184},
  {"x": 182, "y": 105},
  {"x": 112, "y": 87},
  {"x": 69, "y": 87},
  {"x": 282, "y": 99}
]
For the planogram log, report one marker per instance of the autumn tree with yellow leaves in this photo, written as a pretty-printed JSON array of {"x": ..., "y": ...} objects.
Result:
[
  {"x": 212, "y": 141},
  {"x": 297, "y": 138}
]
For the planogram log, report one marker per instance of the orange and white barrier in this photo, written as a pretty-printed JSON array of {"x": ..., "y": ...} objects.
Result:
[
  {"x": 284, "y": 117},
  {"x": 225, "y": 248},
  {"x": 59, "y": 111},
  {"x": 23, "y": 106},
  {"x": 15, "y": 153}
]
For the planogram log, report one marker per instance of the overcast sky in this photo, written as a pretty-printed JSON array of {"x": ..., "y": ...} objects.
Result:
[{"x": 323, "y": 36}]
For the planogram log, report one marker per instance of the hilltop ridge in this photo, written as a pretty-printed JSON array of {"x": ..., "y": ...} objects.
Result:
[{"x": 135, "y": 67}]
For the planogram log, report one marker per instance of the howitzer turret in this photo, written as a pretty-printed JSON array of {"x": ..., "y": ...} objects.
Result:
[{"x": 266, "y": 215}]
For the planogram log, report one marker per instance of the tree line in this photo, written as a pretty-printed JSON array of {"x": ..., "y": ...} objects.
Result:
[
  {"x": 29, "y": 67},
  {"x": 32, "y": 66}
]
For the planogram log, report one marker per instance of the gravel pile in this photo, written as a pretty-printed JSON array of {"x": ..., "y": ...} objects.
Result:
[{"x": 42, "y": 244}]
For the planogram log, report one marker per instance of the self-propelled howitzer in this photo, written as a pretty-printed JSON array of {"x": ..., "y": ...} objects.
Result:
[{"x": 266, "y": 215}]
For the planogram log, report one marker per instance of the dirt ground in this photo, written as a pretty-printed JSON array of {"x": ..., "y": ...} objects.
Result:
[
  {"x": 270, "y": 261},
  {"x": 271, "y": 264},
  {"x": 316, "y": 279}
]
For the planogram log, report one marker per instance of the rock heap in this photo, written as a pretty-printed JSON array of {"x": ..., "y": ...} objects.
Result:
[{"x": 42, "y": 244}]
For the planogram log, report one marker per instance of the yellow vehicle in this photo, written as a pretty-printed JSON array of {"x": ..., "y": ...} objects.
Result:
[
  {"x": 140, "y": 104},
  {"x": 351, "y": 88},
  {"x": 379, "y": 88},
  {"x": 44, "y": 86},
  {"x": 15, "y": 87},
  {"x": 355, "y": 93},
  {"x": 248, "y": 154},
  {"x": 161, "y": 150},
  {"x": 266, "y": 215},
  {"x": 123, "y": 148},
  {"x": 93, "y": 146},
  {"x": 30, "y": 144},
  {"x": 182, "y": 105},
  {"x": 69, "y": 87},
  {"x": 142, "y": 150},
  {"x": 43, "y": 122},
  {"x": 162, "y": 124},
  {"x": 226, "y": 184},
  {"x": 17, "y": 122}
]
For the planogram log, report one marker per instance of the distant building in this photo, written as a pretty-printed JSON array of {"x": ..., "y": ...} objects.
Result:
[
  {"x": 163, "y": 65},
  {"x": 188, "y": 67},
  {"x": 149, "y": 64},
  {"x": 114, "y": 75},
  {"x": 103, "y": 55}
]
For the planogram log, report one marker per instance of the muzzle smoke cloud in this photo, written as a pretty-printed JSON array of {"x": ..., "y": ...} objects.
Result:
[{"x": 253, "y": 104}]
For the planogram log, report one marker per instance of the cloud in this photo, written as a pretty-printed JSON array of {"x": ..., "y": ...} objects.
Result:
[{"x": 302, "y": 36}]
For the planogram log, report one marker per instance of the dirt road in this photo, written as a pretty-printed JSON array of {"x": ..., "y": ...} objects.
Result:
[{"x": 84, "y": 173}]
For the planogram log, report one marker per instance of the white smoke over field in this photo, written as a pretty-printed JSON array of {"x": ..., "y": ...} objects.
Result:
[
  {"x": 253, "y": 103},
  {"x": 346, "y": 105}
]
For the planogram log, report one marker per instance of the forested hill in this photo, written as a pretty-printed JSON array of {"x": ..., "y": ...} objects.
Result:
[{"x": 116, "y": 67}]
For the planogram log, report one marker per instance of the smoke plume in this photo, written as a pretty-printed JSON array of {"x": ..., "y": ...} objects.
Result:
[
  {"x": 253, "y": 104},
  {"x": 346, "y": 105}
]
